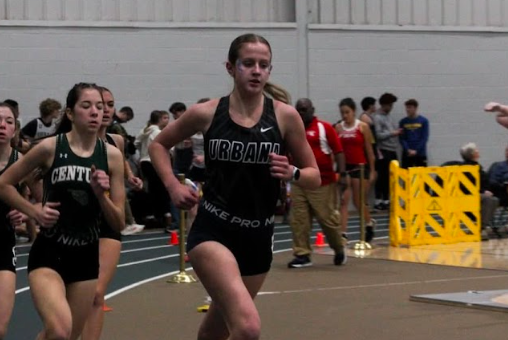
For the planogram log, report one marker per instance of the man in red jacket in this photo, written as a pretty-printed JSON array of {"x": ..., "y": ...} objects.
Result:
[{"x": 319, "y": 203}]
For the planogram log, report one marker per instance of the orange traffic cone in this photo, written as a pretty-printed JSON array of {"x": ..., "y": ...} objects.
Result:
[
  {"x": 320, "y": 240},
  {"x": 106, "y": 308},
  {"x": 173, "y": 240}
]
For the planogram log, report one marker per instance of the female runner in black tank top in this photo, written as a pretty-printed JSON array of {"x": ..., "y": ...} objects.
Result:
[
  {"x": 86, "y": 176},
  {"x": 245, "y": 138}
]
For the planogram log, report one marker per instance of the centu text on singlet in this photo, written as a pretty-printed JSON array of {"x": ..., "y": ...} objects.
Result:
[{"x": 70, "y": 173}]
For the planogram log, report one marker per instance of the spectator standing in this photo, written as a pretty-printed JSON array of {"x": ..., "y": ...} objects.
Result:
[
  {"x": 183, "y": 153},
  {"x": 367, "y": 116},
  {"x": 357, "y": 143},
  {"x": 321, "y": 203},
  {"x": 120, "y": 117},
  {"x": 414, "y": 136},
  {"x": 387, "y": 134},
  {"x": 159, "y": 197}
]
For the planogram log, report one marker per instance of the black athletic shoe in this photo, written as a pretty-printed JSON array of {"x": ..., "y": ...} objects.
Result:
[
  {"x": 369, "y": 233},
  {"x": 340, "y": 258},
  {"x": 300, "y": 261}
]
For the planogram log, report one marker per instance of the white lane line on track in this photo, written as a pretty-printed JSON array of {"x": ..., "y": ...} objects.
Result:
[
  {"x": 128, "y": 250},
  {"x": 124, "y": 251},
  {"x": 21, "y": 290},
  {"x": 127, "y": 264},
  {"x": 139, "y": 283},
  {"x": 145, "y": 248},
  {"x": 147, "y": 239},
  {"x": 146, "y": 260},
  {"x": 381, "y": 285}
]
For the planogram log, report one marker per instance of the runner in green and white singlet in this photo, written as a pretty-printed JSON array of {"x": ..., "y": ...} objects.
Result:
[{"x": 83, "y": 177}]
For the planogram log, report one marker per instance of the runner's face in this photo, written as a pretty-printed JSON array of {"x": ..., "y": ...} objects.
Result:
[
  {"x": 347, "y": 113},
  {"x": 109, "y": 108},
  {"x": 164, "y": 121},
  {"x": 252, "y": 68},
  {"x": 7, "y": 125},
  {"x": 88, "y": 111}
]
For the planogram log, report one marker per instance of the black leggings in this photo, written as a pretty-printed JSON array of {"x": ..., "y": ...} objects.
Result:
[
  {"x": 383, "y": 174},
  {"x": 158, "y": 195}
]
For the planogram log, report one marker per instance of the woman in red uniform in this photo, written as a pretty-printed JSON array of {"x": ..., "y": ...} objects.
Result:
[{"x": 356, "y": 140}]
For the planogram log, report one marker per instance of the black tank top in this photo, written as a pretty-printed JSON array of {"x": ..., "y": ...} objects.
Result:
[
  {"x": 237, "y": 164},
  {"x": 110, "y": 140},
  {"x": 68, "y": 182},
  {"x": 5, "y": 224},
  {"x": 371, "y": 126}
]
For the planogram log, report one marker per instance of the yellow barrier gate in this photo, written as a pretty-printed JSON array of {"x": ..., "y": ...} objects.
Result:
[{"x": 434, "y": 205}]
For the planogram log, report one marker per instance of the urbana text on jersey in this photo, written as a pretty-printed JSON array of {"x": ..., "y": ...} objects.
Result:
[{"x": 235, "y": 151}]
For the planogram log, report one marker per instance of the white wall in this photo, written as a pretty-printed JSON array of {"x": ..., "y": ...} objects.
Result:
[
  {"x": 451, "y": 74},
  {"x": 145, "y": 68}
]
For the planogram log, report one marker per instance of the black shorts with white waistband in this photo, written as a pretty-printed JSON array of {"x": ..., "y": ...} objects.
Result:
[
  {"x": 251, "y": 247},
  {"x": 73, "y": 264}
]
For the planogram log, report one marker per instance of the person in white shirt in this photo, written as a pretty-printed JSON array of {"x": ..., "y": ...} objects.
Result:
[{"x": 158, "y": 195}]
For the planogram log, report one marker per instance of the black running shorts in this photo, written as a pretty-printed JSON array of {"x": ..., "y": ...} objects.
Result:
[
  {"x": 73, "y": 263},
  {"x": 252, "y": 247},
  {"x": 8, "y": 250},
  {"x": 105, "y": 231},
  {"x": 353, "y": 171}
]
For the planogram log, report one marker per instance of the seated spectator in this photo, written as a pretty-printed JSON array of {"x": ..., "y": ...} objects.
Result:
[
  {"x": 489, "y": 202},
  {"x": 498, "y": 179}
]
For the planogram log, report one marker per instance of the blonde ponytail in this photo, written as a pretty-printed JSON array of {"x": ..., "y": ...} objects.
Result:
[{"x": 277, "y": 93}]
